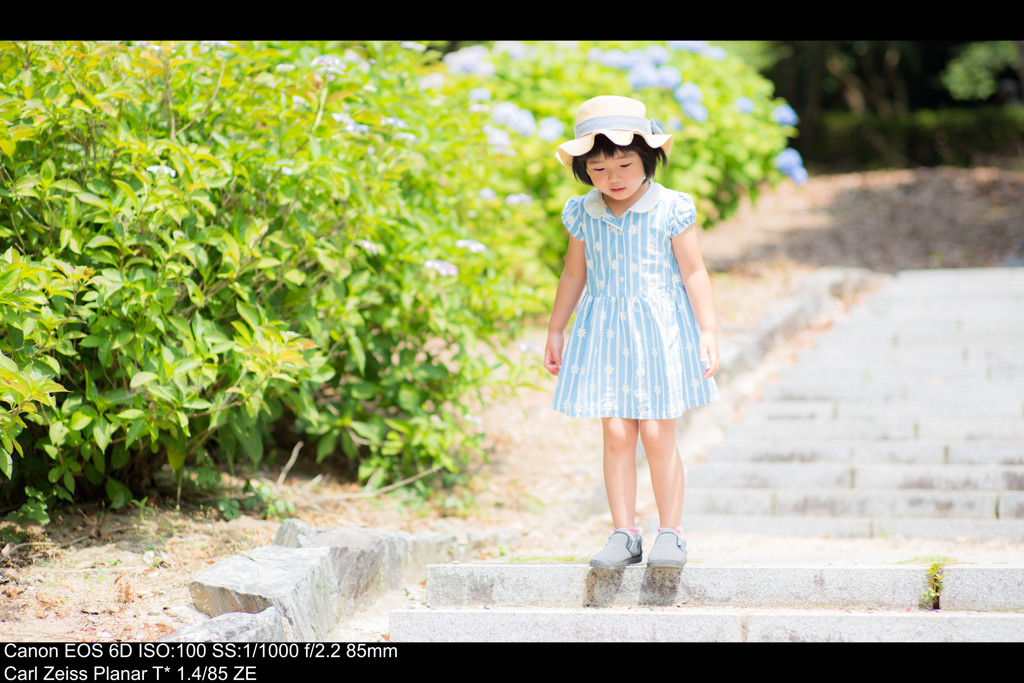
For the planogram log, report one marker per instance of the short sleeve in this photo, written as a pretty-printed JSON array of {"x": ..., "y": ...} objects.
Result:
[
  {"x": 572, "y": 217},
  {"x": 682, "y": 214}
]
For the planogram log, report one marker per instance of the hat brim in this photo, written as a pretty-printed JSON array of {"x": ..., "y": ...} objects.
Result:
[{"x": 581, "y": 145}]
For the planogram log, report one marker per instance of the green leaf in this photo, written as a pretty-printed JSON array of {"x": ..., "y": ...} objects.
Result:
[
  {"x": 118, "y": 494},
  {"x": 248, "y": 313},
  {"x": 80, "y": 421},
  {"x": 142, "y": 378},
  {"x": 6, "y": 462}
]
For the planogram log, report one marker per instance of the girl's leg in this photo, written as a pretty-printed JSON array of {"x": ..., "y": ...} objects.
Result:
[
  {"x": 667, "y": 477},
  {"x": 620, "y": 437}
]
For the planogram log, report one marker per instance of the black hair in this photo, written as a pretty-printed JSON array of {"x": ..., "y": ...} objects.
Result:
[{"x": 651, "y": 157}]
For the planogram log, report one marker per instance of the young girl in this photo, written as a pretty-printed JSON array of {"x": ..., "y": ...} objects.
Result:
[{"x": 643, "y": 348}]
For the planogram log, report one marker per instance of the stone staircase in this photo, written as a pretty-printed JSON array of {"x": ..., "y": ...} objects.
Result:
[{"x": 905, "y": 420}]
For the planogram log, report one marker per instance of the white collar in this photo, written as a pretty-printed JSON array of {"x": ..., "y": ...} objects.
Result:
[{"x": 594, "y": 204}]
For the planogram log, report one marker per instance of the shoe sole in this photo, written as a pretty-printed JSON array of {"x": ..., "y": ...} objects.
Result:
[
  {"x": 598, "y": 564},
  {"x": 671, "y": 564}
]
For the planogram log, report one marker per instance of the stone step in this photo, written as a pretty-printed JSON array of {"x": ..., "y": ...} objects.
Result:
[
  {"x": 849, "y": 451},
  {"x": 810, "y": 501},
  {"x": 904, "y": 586},
  {"x": 673, "y": 624},
  {"x": 883, "y": 389},
  {"x": 826, "y": 408},
  {"x": 851, "y": 526},
  {"x": 884, "y": 427},
  {"x": 859, "y": 476}
]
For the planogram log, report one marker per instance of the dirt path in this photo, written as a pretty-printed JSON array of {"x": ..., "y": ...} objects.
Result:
[{"x": 125, "y": 576}]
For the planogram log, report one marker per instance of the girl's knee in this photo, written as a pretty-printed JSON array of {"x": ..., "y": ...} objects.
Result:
[
  {"x": 620, "y": 433},
  {"x": 658, "y": 435}
]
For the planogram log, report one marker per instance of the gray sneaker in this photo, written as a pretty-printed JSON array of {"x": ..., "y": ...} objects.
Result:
[
  {"x": 669, "y": 550},
  {"x": 622, "y": 549}
]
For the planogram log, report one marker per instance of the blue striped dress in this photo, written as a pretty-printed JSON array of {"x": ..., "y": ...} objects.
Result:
[{"x": 633, "y": 351}]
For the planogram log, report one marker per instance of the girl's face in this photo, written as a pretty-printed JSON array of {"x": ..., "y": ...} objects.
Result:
[{"x": 618, "y": 178}]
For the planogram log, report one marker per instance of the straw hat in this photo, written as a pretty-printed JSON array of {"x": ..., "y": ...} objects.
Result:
[{"x": 617, "y": 118}]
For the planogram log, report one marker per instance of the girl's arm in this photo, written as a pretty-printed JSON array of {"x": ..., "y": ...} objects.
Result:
[
  {"x": 570, "y": 287},
  {"x": 698, "y": 291}
]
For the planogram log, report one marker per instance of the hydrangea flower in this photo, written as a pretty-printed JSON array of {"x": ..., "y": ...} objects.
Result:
[
  {"x": 669, "y": 77},
  {"x": 697, "y": 46},
  {"x": 696, "y": 111},
  {"x": 744, "y": 104},
  {"x": 487, "y": 193},
  {"x": 348, "y": 125},
  {"x": 550, "y": 129},
  {"x": 784, "y": 115},
  {"x": 162, "y": 170},
  {"x": 470, "y": 60},
  {"x": 643, "y": 75},
  {"x": 432, "y": 81},
  {"x": 715, "y": 52},
  {"x": 688, "y": 92},
  {"x": 471, "y": 245},
  {"x": 480, "y": 94},
  {"x": 497, "y": 137},
  {"x": 327, "y": 60},
  {"x": 656, "y": 54},
  {"x": 791, "y": 163},
  {"x": 516, "y": 118},
  {"x": 513, "y": 48},
  {"x": 442, "y": 267},
  {"x": 414, "y": 46},
  {"x": 520, "y": 199}
]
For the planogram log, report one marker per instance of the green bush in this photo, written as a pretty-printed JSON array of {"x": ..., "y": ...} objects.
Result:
[
  {"x": 214, "y": 251},
  {"x": 217, "y": 248}
]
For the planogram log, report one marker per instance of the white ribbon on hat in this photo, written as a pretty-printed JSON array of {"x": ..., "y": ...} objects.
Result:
[{"x": 599, "y": 123}]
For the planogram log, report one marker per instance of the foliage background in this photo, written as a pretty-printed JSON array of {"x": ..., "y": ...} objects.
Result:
[{"x": 218, "y": 253}]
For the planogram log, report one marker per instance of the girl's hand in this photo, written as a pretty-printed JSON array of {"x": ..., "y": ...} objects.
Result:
[
  {"x": 553, "y": 352},
  {"x": 709, "y": 353}
]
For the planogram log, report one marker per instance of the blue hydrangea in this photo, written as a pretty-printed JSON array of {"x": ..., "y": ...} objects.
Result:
[
  {"x": 516, "y": 118},
  {"x": 715, "y": 52},
  {"x": 697, "y": 46},
  {"x": 498, "y": 137},
  {"x": 550, "y": 129},
  {"x": 791, "y": 163},
  {"x": 656, "y": 54},
  {"x": 480, "y": 94},
  {"x": 470, "y": 60},
  {"x": 669, "y": 77},
  {"x": 643, "y": 75},
  {"x": 696, "y": 111},
  {"x": 688, "y": 92},
  {"x": 745, "y": 105},
  {"x": 784, "y": 115}
]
